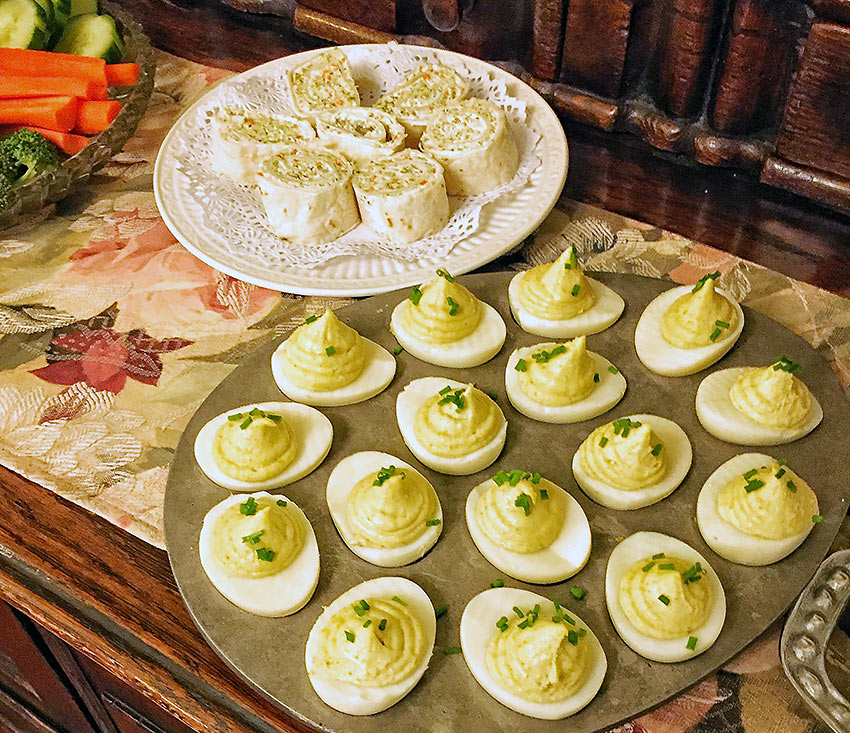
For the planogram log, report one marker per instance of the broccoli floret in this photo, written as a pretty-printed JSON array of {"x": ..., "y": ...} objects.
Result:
[
  {"x": 29, "y": 154},
  {"x": 5, "y": 193}
]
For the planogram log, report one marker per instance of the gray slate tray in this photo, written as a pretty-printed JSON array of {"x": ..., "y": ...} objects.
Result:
[{"x": 269, "y": 653}]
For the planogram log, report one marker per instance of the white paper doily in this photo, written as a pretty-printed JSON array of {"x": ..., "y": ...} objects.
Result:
[{"x": 224, "y": 224}]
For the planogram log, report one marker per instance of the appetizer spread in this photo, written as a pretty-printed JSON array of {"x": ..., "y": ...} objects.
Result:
[{"x": 323, "y": 83}]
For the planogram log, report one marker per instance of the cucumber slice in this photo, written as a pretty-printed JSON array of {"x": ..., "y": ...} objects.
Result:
[
  {"x": 82, "y": 7},
  {"x": 23, "y": 24},
  {"x": 92, "y": 35},
  {"x": 49, "y": 16}
]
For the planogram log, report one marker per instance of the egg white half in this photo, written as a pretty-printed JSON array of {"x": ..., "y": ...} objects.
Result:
[
  {"x": 312, "y": 430},
  {"x": 726, "y": 539},
  {"x": 478, "y": 626},
  {"x": 637, "y": 547},
  {"x": 607, "y": 393},
  {"x": 408, "y": 403},
  {"x": 361, "y": 699},
  {"x": 342, "y": 481},
  {"x": 725, "y": 421},
  {"x": 473, "y": 349},
  {"x": 606, "y": 309},
  {"x": 567, "y": 554},
  {"x": 679, "y": 458},
  {"x": 280, "y": 594},
  {"x": 660, "y": 356},
  {"x": 378, "y": 371}
]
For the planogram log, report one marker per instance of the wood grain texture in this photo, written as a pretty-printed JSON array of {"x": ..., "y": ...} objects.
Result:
[
  {"x": 833, "y": 10},
  {"x": 574, "y": 104},
  {"x": 547, "y": 23},
  {"x": 643, "y": 47},
  {"x": 654, "y": 127},
  {"x": 809, "y": 182},
  {"x": 377, "y": 14},
  {"x": 595, "y": 40},
  {"x": 333, "y": 29},
  {"x": 815, "y": 129},
  {"x": 711, "y": 149},
  {"x": 684, "y": 57}
]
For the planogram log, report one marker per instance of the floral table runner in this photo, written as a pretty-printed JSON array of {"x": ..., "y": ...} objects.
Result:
[{"x": 112, "y": 334}]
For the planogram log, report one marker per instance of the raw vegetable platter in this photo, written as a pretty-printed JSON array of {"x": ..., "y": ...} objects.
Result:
[{"x": 269, "y": 652}]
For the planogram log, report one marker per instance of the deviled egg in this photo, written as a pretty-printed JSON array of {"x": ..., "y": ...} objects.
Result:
[
  {"x": 326, "y": 363},
  {"x": 754, "y": 510},
  {"x": 528, "y": 527},
  {"x": 531, "y": 654},
  {"x": 633, "y": 461},
  {"x": 562, "y": 382},
  {"x": 260, "y": 553},
  {"x": 263, "y": 445},
  {"x": 450, "y": 426},
  {"x": 557, "y": 300},
  {"x": 444, "y": 324},
  {"x": 383, "y": 508},
  {"x": 758, "y": 405},
  {"x": 664, "y": 599},
  {"x": 371, "y": 645},
  {"x": 687, "y": 328}
]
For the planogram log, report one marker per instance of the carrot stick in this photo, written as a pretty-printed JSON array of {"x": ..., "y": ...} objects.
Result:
[
  {"x": 122, "y": 75},
  {"x": 54, "y": 113},
  {"x": 65, "y": 141},
  {"x": 95, "y": 117},
  {"x": 27, "y": 62},
  {"x": 14, "y": 85}
]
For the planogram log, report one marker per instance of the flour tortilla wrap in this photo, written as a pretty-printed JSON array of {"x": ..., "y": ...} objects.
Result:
[
  {"x": 307, "y": 194},
  {"x": 241, "y": 140},
  {"x": 322, "y": 83},
  {"x": 361, "y": 134},
  {"x": 402, "y": 197},
  {"x": 423, "y": 91},
  {"x": 473, "y": 143}
]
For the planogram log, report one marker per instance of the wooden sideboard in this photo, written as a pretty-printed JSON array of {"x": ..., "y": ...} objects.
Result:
[{"x": 762, "y": 86}]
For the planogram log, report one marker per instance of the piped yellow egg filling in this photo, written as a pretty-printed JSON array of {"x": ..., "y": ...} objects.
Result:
[
  {"x": 323, "y": 354},
  {"x": 555, "y": 291},
  {"x": 558, "y": 374},
  {"x": 771, "y": 502},
  {"x": 442, "y": 312},
  {"x": 254, "y": 445},
  {"x": 544, "y": 661},
  {"x": 699, "y": 318},
  {"x": 376, "y": 644},
  {"x": 521, "y": 511},
  {"x": 771, "y": 396},
  {"x": 665, "y": 597},
  {"x": 624, "y": 454},
  {"x": 390, "y": 508},
  {"x": 457, "y": 422},
  {"x": 258, "y": 537}
]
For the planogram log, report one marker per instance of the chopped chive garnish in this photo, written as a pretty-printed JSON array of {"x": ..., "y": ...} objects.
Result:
[
  {"x": 575, "y": 291},
  {"x": 452, "y": 650},
  {"x": 453, "y": 306},
  {"x": 281, "y": 503},
  {"x": 367, "y": 623},
  {"x": 541, "y": 357},
  {"x": 623, "y": 425},
  {"x": 524, "y": 624},
  {"x": 432, "y": 522},
  {"x": 817, "y": 519},
  {"x": 310, "y": 319},
  {"x": 248, "y": 508},
  {"x": 456, "y": 398},
  {"x": 582, "y": 632},
  {"x": 785, "y": 364},
  {"x": 445, "y": 390},
  {"x": 721, "y": 324},
  {"x": 780, "y": 473},
  {"x": 248, "y": 420},
  {"x": 516, "y": 477},
  {"x": 265, "y": 554},
  {"x": 358, "y": 610},
  {"x": 349, "y": 636},
  {"x": 254, "y": 537},
  {"x": 518, "y": 612},
  {"x": 234, "y": 417},
  {"x": 754, "y": 485},
  {"x": 572, "y": 260},
  {"x": 578, "y": 593},
  {"x": 365, "y": 606},
  {"x": 613, "y": 369},
  {"x": 656, "y": 449},
  {"x": 492, "y": 395},
  {"x": 501, "y": 477},
  {"x": 383, "y": 474},
  {"x": 692, "y": 643},
  {"x": 782, "y": 461},
  {"x": 331, "y": 350},
  {"x": 544, "y": 494},
  {"x": 749, "y": 474},
  {"x": 524, "y": 502},
  {"x": 664, "y": 599},
  {"x": 446, "y": 274},
  {"x": 596, "y": 377},
  {"x": 398, "y": 349},
  {"x": 710, "y": 276},
  {"x": 646, "y": 568},
  {"x": 667, "y": 566},
  {"x": 415, "y": 295},
  {"x": 441, "y": 611},
  {"x": 791, "y": 485},
  {"x": 383, "y": 624},
  {"x": 658, "y": 556},
  {"x": 715, "y": 333},
  {"x": 502, "y": 624},
  {"x": 520, "y": 365},
  {"x": 398, "y": 600},
  {"x": 535, "y": 478},
  {"x": 603, "y": 441},
  {"x": 497, "y": 583},
  {"x": 693, "y": 573},
  {"x": 572, "y": 637}
]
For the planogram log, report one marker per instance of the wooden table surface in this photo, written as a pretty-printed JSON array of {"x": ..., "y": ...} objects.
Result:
[{"x": 113, "y": 597}]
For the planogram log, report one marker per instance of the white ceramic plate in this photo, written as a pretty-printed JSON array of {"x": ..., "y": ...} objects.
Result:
[{"x": 503, "y": 223}]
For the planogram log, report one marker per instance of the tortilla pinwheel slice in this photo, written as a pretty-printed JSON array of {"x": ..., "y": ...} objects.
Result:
[
  {"x": 361, "y": 134},
  {"x": 322, "y": 83}
]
